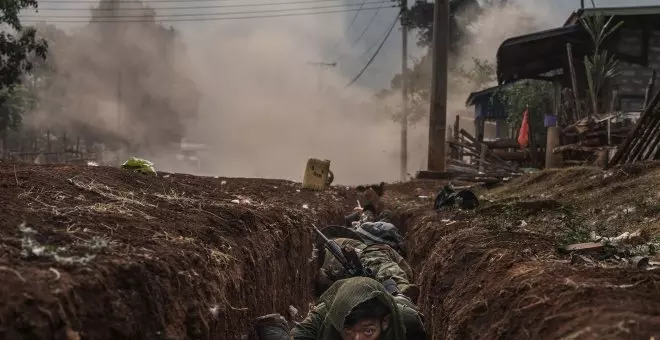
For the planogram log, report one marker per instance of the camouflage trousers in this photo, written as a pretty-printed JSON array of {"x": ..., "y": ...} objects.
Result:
[{"x": 382, "y": 259}]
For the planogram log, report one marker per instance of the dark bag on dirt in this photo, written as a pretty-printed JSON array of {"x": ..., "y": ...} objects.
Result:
[
  {"x": 448, "y": 196},
  {"x": 272, "y": 327}
]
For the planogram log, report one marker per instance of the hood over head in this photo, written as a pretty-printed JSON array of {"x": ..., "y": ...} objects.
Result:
[{"x": 344, "y": 295}]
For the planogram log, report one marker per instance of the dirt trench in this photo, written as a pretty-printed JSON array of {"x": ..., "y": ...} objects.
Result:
[
  {"x": 101, "y": 253},
  {"x": 488, "y": 275},
  {"x": 108, "y": 254}
]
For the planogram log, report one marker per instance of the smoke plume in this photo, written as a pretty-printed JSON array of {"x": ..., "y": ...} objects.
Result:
[{"x": 247, "y": 89}]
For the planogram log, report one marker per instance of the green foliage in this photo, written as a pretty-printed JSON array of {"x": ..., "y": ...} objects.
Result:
[
  {"x": 420, "y": 18},
  {"x": 536, "y": 95},
  {"x": 463, "y": 78},
  {"x": 601, "y": 66},
  {"x": 479, "y": 75},
  {"x": 15, "y": 103},
  {"x": 573, "y": 227},
  {"x": 17, "y": 47}
]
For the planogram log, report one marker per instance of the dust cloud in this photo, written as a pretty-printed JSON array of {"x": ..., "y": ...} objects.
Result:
[
  {"x": 248, "y": 91},
  {"x": 267, "y": 107}
]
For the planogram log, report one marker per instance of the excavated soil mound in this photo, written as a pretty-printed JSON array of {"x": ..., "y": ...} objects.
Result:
[
  {"x": 488, "y": 275},
  {"x": 101, "y": 253}
]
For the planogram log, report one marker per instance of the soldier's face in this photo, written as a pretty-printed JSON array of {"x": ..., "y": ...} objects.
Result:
[{"x": 369, "y": 329}]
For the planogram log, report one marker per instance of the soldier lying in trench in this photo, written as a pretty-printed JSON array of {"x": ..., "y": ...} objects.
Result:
[
  {"x": 357, "y": 308},
  {"x": 378, "y": 242},
  {"x": 371, "y": 209},
  {"x": 379, "y": 246}
]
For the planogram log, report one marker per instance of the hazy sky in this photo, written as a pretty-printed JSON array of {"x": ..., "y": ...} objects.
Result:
[
  {"x": 255, "y": 76},
  {"x": 355, "y": 52}
]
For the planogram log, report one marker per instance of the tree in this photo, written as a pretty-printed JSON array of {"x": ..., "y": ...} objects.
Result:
[
  {"x": 17, "y": 45},
  {"x": 464, "y": 77},
  {"x": 420, "y": 18},
  {"x": 602, "y": 66},
  {"x": 533, "y": 95},
  {"x": 15, "y": 103}
]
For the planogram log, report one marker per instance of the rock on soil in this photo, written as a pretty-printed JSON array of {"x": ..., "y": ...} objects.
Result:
[{"x": 109, "y": 254}]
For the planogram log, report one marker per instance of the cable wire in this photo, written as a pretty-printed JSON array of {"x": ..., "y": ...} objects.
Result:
[
  {"x": 182, "y": 7},
  {"x": 151, "y": 19},
  {"x": 371, "y": 21},
  {"x": 193, "y": 14},
  {"x": 375, "y": 53},
  {"x": 138, "y": 2},
  {"x": 355, "y": 16}
]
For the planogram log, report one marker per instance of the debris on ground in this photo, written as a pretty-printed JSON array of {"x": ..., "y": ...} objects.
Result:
[
  {"x": 139, "y": 165},
  {"x": 496, "y": 277},
  {"x": 205, "y": 267},
  {"x": 452, "y": 196},
  {"x": 642, "y": 143}
]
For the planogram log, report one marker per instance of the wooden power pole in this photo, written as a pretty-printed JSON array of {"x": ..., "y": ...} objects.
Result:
[
  {"x": 119, "y": 118},
  {"x": 404, "y": 90},
  {"x": 438, "y": 116}
]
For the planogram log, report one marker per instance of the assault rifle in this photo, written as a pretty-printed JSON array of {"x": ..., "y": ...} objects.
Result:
[{"x": 345, "y": 255}]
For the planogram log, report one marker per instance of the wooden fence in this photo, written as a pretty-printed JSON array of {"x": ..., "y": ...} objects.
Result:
[{"x": 48, "y": 148}]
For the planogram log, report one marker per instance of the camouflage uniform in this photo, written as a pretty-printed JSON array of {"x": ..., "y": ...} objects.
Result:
[{"x": 382, "y": 259}]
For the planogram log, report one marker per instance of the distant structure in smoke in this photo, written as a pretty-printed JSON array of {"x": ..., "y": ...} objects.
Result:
[
  {"x": 125, "y": 85},
  {"x": 478, "y": 28},
  {"x": 476, "y": 31}
]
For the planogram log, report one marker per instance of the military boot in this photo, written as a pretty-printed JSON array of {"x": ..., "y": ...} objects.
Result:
[
  {"x": 411, "y": 291},
  {"x": 272, "y": 327}
]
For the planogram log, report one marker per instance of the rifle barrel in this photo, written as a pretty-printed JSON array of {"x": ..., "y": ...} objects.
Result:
[{"x": 318, "y": 232}]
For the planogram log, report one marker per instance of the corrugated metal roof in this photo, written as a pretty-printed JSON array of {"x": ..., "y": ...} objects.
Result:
[
  {"x": 537, "y": 53},
  {"x": 536, "y": 36},
  {"x": 472, "y": 97},
  {"x": 613, "y": 11}
]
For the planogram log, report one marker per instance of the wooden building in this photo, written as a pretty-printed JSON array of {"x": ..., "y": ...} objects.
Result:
[
  {"x": 544, "y": 55},
  {"x": 490, "y": 116}
]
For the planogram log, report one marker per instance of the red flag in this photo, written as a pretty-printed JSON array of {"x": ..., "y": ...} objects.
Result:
[{"x": 523, "y": 135}]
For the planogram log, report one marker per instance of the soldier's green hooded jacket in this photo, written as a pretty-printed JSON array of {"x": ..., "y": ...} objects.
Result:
[{"x": 327, "y": 319}]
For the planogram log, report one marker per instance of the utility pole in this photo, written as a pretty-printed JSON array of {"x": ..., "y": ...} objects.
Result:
[
  {"x": 404, "y": 90},
  {"x": 438, "y": 116},
  {"x": 119, "y": 120}
]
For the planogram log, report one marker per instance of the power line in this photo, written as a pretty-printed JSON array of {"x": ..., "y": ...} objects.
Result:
[
  {"x": 355, "y": 16},
  {"x": 151, "y": 19},
  {"x": 138, "y": 2},
  {"x": 182, "y": 7},
  {"x": 375, "y": 53},
  {"x": 371, "y": 21},
  {"x": 194, "y": 14},
  {"x": 374, "y": 44},
  {"x": 348, "y": 28}
]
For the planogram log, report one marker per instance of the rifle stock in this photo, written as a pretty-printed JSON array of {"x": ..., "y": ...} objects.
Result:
[{"x": 346, "y": 256}]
